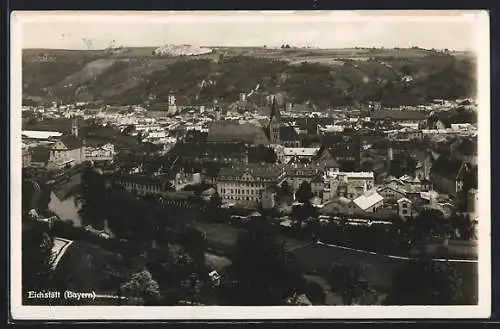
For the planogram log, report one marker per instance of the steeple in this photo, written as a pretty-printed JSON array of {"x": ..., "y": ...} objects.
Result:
[
  {"x": 274, "y": 123},
  {"x": 275, "y": 112}
]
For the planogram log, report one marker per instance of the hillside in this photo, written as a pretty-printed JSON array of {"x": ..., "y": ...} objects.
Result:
[{"x": 323, "y": 76}]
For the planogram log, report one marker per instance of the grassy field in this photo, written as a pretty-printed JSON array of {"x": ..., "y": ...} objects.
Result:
[{"x": 220, "y": 233}]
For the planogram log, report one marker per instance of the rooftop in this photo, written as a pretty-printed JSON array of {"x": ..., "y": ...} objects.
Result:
[
  {"x": 366, "y": 201},
  {"x": 35, "y": 134},
  {"x": 300, "y": 151}
]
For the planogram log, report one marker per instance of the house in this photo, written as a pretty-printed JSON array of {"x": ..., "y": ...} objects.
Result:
[
  {"x": 318, "y": 185},
  {"x": 300, "y": 154},
  {"x": 296, "y": 174},
  {"x": 404, "y": 207},
  {"x": 370, "y": 201},
  {"x": 100, "y": 152},
  {"x": 67, "y": 151},
  {"x": 347, "y": 184},
  {"x": 344, "y": 149},
  {"x": 447, "y": 174},
  {"x": 338, "y": 205},
  {"x": 245, "y": 184},
  {"x": 391, "y": 192}
]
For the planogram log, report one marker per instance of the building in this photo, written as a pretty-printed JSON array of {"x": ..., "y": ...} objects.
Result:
[
  {"x": 245, "y": 184},
  {"x": 344, "y": 149},
  {"x": 103, "y": 152},
  {"x": 369, "y": 201},
  {"x": 67, "y": 151},
  {"x": 289, "y": 137},
  {"x": 447, "y": 174},
  {"x": 36, "y": 136},
  {"x": 347, "y": 184},
  {"x": 298, "y": 154},
  {"x": 391, "y": 192},
  {"x": 404, "y": 208},
  {"x": 296, "y": 174},
  {"x": 318, "y": 186},
  {"x": 227, "y": 152},
  {"x": 139, "y": 184}
]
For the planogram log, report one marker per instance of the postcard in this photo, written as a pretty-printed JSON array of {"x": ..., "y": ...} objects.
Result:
[{"x": 267, "y": 165}]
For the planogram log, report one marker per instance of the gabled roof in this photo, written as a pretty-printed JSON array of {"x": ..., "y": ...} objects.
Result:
[
  {"x": 366, "y": 201},
  {"x": 71, "y": 142}
]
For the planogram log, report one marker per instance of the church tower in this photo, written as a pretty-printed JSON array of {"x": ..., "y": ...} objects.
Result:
[{"x": 274, "y": 123}]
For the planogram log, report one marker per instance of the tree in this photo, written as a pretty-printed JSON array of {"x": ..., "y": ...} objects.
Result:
[
  {"x": 315, "y": 292},
  {"x": 406, "y": 69},
  {"x": 345, "y": 280},
  {"x": 142, "y": 286},
  {"x": 36, "y": 261},
  {"x": 285, "y": 189},
  {"x": 263, "y": 272},
  {"x": 214, "y": 207},
  {"x": 304, "y": 193},
  {"x": 428, "y": 221},
  {"x": 93, "y": 196},
  {"x": 426, "y": 282},
  {"x": 194, "y": 243}
]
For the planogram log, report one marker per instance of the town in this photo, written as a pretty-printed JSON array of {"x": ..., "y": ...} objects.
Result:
[{"x": 373, "y": 168}]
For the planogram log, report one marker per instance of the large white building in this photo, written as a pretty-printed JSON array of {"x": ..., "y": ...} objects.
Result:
[{"x": 245, "y": 184}]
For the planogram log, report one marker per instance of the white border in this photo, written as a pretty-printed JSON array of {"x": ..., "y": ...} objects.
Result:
[{"x": 482, "y": 310}]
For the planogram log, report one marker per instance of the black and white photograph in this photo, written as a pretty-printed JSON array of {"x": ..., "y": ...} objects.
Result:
[{"x": 250, "y": 165}]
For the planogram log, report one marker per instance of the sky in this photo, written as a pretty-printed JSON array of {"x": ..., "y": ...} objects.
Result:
[{"x": 456, "y": 30}]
